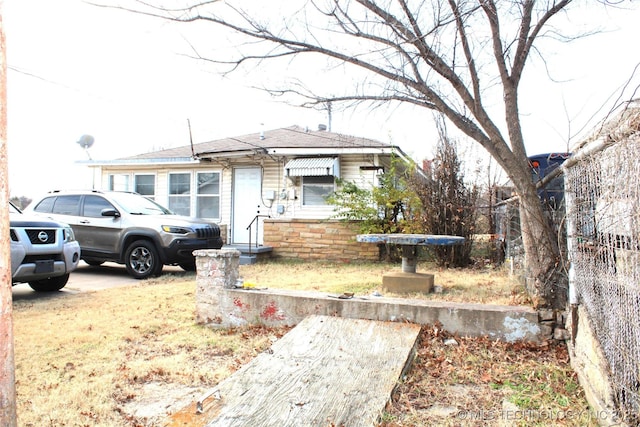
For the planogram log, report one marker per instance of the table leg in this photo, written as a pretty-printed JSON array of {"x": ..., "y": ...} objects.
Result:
[{"x": 409, "y": 258}]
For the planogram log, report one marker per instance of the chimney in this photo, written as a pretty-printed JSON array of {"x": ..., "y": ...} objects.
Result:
[{"x": 322, "y": 127}]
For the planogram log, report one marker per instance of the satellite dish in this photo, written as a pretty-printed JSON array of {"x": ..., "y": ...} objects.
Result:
[{"x": 86, "y": 141}]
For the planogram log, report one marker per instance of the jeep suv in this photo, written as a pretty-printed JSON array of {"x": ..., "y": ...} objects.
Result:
[
  {"x": 43, "y": 252},
  {"x": 130, "y": 229}
]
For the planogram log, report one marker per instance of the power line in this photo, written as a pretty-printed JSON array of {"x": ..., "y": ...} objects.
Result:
[{"x": 30, "y": 74}]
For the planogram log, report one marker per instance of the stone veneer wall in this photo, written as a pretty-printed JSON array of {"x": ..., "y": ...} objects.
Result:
[
  {"x": 314, "y": 239},
  {"x": 223, "y": 233}
]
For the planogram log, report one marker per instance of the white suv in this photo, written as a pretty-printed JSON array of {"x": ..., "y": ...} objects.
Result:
[
  {"x": 43, "y": 252},
  {"x": 129, "y": 229}
]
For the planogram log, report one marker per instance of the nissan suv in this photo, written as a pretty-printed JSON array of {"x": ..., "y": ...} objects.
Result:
[
  {"x": 130, "y": 229},
  {"x": 43, "y": 252}
]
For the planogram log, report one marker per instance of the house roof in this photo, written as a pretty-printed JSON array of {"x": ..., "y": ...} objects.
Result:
[
  {"x": 284, "y": 141},
  {"x": 292, "y": 142}
]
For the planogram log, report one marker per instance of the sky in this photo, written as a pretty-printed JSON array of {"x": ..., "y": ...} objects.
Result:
[{"x": 76, "y": 69}]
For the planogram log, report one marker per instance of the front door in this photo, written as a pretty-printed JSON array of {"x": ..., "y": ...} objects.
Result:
[{"x": 246, "y": 205}]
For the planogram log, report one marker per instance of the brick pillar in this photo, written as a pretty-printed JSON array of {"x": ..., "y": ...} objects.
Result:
[{"x": 215, "y": 271}]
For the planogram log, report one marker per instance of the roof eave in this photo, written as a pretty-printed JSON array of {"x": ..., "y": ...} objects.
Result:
[
  {"x": 316, "y": 151},
  {"x": 140, "y": 162},
  {"x": 284, "y": 152}
]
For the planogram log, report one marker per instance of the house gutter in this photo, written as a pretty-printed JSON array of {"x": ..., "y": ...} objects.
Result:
[
  {"x": 140, "y": 162},
  {"x": 318, "y": 151},
  {"x": 329, "y": 151},
  {"x": 284, "y": 152}
]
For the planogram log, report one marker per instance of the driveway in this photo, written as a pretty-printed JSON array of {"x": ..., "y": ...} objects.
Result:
[{"x": 87, "y": 279}]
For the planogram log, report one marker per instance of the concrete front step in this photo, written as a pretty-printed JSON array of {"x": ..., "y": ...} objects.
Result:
[
  {"x": 248, "y": 259},
  {"x": 251, "y": 254}
]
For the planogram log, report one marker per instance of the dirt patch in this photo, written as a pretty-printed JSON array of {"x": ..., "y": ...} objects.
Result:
[{"x": 155, "y": 401}]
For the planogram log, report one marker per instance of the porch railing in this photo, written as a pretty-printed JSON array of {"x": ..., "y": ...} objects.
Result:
[{"x": 255, "y": 220}]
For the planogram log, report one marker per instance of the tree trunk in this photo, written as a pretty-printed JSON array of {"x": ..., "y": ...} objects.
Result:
[{"x": 545, "y": 279}]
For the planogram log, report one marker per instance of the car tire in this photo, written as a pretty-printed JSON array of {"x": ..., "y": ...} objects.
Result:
[
  {"x": 94, "y": 262},
  {"x": 51, "y": 284},
  {"x": 142, "y": 260}
]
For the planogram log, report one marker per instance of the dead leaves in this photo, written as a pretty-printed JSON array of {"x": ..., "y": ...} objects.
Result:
[{"x": 479, "y": 374}]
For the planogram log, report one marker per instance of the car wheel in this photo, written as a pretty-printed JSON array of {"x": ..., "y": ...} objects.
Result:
[
  {"x": 51, "y": 284},
  {"x": 188, "y": 266},
  {"x": 142, "y": 260},
  {"x": 94, "y": 262}
]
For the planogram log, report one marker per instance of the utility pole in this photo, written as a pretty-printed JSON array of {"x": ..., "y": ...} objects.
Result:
[{"x": 8, "y": 413}]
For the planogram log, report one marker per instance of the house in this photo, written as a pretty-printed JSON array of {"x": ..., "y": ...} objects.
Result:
[{"x": 264, "y": 189}]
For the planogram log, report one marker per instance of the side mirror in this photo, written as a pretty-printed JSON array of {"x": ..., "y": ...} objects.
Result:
[{"x": 110, "y": 212}]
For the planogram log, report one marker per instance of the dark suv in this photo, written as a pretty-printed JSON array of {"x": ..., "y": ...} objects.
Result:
[{"x": 129, "y": 229}]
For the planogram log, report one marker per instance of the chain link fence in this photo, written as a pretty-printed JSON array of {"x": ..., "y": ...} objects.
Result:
[{"x": 602, "y": 183}]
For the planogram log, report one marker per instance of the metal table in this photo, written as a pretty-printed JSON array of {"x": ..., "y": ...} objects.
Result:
[{"x": 409, "y": 280}]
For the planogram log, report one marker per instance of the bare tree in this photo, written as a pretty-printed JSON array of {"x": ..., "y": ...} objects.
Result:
[
  {"x": 449, "y": 204},
  {"x": 464, "y": 59},
  {"x": 8, "y": 417}
]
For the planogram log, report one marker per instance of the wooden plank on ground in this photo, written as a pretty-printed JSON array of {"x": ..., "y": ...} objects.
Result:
[{"x": 327, "y": 371}]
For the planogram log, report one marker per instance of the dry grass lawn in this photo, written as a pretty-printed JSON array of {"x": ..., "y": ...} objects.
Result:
[
  {"x": 130, "y": 356},
  {"x": 481, "y": 285}
]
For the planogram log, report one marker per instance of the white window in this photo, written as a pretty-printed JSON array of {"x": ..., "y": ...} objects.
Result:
[
  {"x": 145, "y": 185},
  {"x": 315, "y": 189},
  {"x": 208, "y": 195},
  {"x": 180, "y": 193},
  {"x": 119, "y": 182},
  {"x": 198, "y": 197}
]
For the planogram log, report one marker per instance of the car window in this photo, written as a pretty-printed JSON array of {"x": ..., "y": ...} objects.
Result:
[
  {"x": 136, "y": 204},
  {"x": 67, "y": 205},
  {"x": 93, "y": 206},
  {"x": 45, "y": 205}
]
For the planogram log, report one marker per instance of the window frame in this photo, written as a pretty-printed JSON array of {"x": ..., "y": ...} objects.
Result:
[
  {"x": 216, "y": 196},
  {"x": 174, "y": 198},
  {"x": 112, "y": 185},
  {"x": 136, "y": 188},
  {"x": 305, "y": 186}
]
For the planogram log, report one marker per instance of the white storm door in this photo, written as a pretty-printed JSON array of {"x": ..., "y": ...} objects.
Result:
[{"x": 246, "y": 205}]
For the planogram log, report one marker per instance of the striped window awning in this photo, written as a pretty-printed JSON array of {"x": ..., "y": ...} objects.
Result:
[{"x": 313, "y": 166}]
